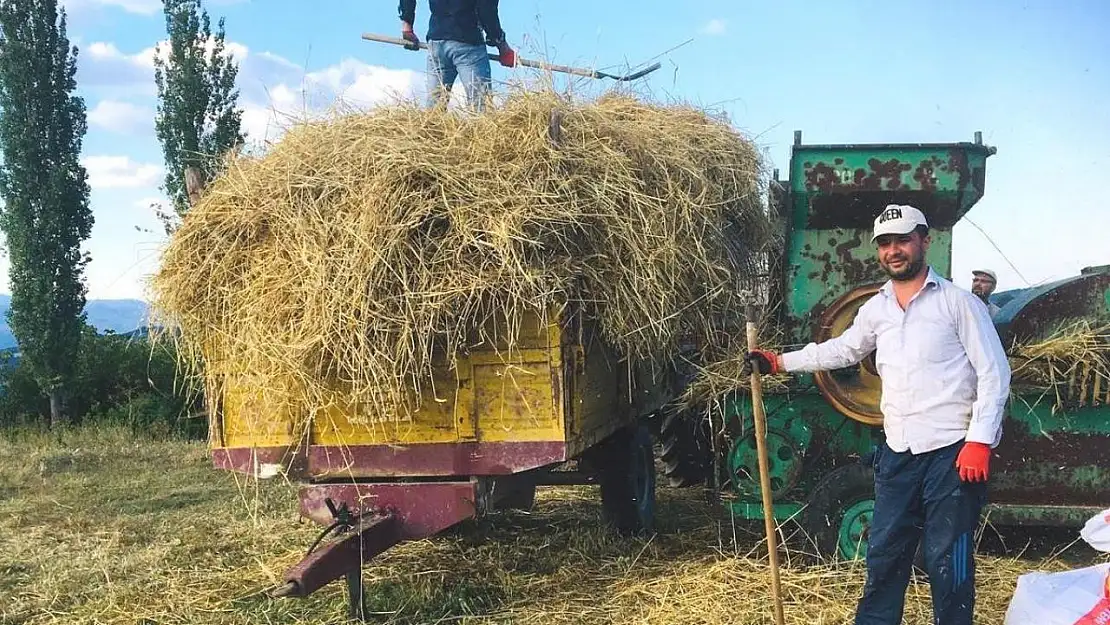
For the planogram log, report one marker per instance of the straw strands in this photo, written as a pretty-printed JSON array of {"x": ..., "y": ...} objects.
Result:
[
  {"x": 364, "y": 252},
  {"x": 1071, "y": 361},
  {"x": 165, "y": 539}
]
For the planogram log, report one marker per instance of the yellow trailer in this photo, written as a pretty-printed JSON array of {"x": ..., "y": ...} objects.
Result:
[{"x": 491, "y": 426}]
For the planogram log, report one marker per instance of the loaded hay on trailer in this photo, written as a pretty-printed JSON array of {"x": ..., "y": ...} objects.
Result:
[{"x": 363, "y": 250}]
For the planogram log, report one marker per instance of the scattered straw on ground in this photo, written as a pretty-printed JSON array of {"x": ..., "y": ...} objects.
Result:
[
  {"x": 100, "y": 528},
  {"x": 362, "y": 250}
]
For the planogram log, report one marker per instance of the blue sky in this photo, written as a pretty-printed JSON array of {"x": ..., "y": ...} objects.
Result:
[{"x": 1034, "y": 77}]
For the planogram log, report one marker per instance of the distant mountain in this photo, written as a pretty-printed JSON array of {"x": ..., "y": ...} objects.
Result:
[{"x": 117, "y": 315}]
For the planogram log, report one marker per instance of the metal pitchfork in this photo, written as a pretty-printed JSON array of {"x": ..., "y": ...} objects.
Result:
[{"x": 577, "y": 71}]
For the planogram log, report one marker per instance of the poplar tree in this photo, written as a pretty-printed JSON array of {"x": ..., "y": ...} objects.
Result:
[
  {"x": 45, "y": 193},
  {"x": 198, "y": 119}
]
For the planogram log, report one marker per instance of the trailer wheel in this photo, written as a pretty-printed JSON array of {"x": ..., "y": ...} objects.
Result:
[
  {"x": 685, "y": 450},
  {"x": 838, "y": 516},
  {"x": 625, "y": 466}
]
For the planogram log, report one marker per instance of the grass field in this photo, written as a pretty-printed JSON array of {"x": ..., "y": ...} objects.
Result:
[{"x": 100, "y": 527}]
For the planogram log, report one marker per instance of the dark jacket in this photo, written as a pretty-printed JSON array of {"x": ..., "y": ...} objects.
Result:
[{"x": 458, "y": 20}]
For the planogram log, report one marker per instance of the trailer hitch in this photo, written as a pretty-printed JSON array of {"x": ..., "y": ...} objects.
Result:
[{"x": 359, "y": 537}]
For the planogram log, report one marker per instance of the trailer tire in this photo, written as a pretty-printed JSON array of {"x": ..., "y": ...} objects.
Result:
[
  {"x": 625, "y": 465},
  {"x": 685, "y": 450}
]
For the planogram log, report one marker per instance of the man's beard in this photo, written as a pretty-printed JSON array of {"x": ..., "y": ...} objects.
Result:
[{"x": 913, "y": 267}]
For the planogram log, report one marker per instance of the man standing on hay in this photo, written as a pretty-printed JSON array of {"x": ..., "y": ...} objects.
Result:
[
  {"x": 945, "y": 383},
  {"x": 456, "y": 48}
]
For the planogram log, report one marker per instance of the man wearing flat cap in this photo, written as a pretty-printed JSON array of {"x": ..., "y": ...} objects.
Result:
[
  {"x": 983, "y": 283},
  {"x": 945, "y": 382}
]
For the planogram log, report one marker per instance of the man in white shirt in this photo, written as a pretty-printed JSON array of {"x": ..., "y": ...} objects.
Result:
[{"x": 945, "y": 382}]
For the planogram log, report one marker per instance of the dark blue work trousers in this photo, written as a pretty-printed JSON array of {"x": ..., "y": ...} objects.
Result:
[{"x": 920, "y": 497}]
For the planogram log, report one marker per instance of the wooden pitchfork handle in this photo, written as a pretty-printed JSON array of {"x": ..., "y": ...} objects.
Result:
[
  {"x": 577, "y": 71},
  {"x": 760, "y": 418}
]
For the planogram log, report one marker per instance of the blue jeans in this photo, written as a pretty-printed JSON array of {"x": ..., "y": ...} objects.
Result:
[
  {"x": 921, "y": 496},
  {"x": 448, "y": 60}
]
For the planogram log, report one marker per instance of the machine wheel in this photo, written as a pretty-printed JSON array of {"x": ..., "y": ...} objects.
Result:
[
  {"x": 626, "y": 474},
  {"x": 685, "y": 450},
  {"x": 839, "y": 513}
]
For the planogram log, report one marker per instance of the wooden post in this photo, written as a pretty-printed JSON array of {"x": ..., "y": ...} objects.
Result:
[
  {"x": 194, "y": 184},
  {"x": 760, "y": 418}
]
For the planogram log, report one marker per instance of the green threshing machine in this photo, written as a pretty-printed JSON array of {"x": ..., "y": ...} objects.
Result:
[{"x": 1051, "y": 467}]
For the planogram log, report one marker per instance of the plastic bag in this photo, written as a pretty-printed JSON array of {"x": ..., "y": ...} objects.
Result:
[
  {"x": 1097, "y": 531},
  {"x": 1078, "y": 597}
]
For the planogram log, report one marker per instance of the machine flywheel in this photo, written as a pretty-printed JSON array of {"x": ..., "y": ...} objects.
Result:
[{"x": 854, "y": 391}]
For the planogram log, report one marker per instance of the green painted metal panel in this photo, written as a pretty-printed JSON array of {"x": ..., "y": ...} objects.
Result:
[
  {"x": 751, "y": 511},
  {"x": 824, "y": 265},
  {"x": 834, "y": 193},
  {"x": 848, "y": 185}
]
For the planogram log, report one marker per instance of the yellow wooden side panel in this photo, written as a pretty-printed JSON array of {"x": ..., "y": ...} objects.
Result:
[
  {"x": 444, "y": 404},
  {"x": 518, "y": 401},
  {"x": 491, "y": 395},
  {"x": 248, "y": 421}
]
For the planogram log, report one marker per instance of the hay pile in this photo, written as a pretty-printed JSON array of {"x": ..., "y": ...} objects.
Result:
[{"x": 363, "y": 250}]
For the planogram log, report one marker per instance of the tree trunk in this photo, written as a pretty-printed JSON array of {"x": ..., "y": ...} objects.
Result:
[{"x": 58, "y": 416}]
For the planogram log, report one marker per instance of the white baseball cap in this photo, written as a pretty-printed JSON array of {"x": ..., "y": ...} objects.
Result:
[
  {"x": 986, "y": 272},
  {"x": 898, "y": 219}
]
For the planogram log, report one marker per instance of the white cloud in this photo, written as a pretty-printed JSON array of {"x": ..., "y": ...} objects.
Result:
[
  {"x": 349, "y": 84},
  {"x": 103, "y": 64},
  {"x": 715, "y": 26},
  {"x": 141, "y": 7},
  {"x": 120, "y": 172},
  {"x": 122, "y": 117},
  {"x": 274, "y": 91}
]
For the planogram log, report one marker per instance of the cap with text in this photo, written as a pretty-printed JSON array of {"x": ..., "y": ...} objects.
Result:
[{"x": 898, "y": 219}]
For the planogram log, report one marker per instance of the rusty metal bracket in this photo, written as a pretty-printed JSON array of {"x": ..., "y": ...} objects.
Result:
[{"x": 361, "y": 538}]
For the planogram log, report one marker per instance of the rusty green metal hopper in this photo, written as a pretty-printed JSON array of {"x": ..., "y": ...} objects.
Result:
[
  {"x": 835, "y": 192},
  {"x": 846, "y": 186}
]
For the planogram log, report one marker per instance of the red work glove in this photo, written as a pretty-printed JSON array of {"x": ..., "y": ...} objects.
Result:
[
  {"x": 973, "y": 462},
  {"x": 507, "y": 55},
  {"x": 764, "y": 362},
  {"x": 408, "y": 35}
]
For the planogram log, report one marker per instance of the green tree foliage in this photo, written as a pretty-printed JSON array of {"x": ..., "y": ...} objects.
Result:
[
  {"x": 45, "y": 192},
  {"x": 198, "y": 119},
  {"x": 120, "y": 380}
]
